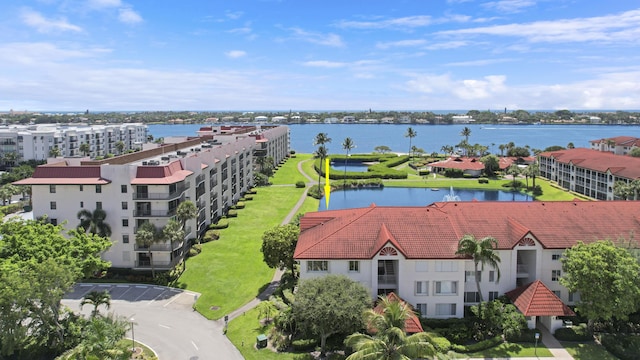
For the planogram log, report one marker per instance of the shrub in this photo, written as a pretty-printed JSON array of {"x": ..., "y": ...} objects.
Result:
[
  {"x": 195, "y": 250},
  {"x": 211, "y": 235},
  {"x": 537, "y": 190},
  {"x": 252, "y": 191},
  {"x": 239, "y": 205},
  {"x": 315, "y": 192},
  {"x": 232, "y": 213},
  {"x": 483, "y": 180},
  {"x": 574, "y": 333},
  {"x": 453, "y": 173},
  {"x": 300, "y": 184},
  {"x": 278, "y": 340},
  {"x": 246, "y": 198},
  {"x": 513, "y": 184},
  {"x": 304, "y": 344},
  {"x": 626, "y": 347},
  {"x": 222, "y": 224},
  {"x": 424, "y": 172},
  {"x": 292, "y": 152},
  {"x": 442, "y": 344},
  {"x": 525, "y": 336},
  {"x": 479, "y": 346}
]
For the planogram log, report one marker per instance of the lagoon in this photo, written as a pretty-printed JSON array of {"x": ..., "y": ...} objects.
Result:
[{"x": 397, "y": 196}]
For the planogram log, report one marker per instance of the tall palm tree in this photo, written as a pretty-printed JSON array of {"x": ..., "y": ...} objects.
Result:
[
  {"x": 94, "y": 222},
  {"x": 146, "y": 236},
  {"x": 347, "y": 145},
  {"x": 514, "y": 171},
  {"x": 534, "y": 170},
  {"x": 466, "y": 132},
  {"x": 389, "y": 340},
  {"x": 502, "y": 148},
  {"x": 410, "y": 134},
  {"x": 173, "y": 232},
  {"x": 482, "y": 253},
  {"x": 322, "y": 152},
  {"x": 96, "y": 298}
]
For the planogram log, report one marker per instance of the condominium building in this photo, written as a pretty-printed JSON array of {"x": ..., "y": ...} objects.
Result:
[
  {"x": 35, "y": 142},
  {"x": 411, "y": 251},
  {"x": 619, "y": 145},
  {"x": 148, "y": 186},
  {"x": 589, "y": 172}
]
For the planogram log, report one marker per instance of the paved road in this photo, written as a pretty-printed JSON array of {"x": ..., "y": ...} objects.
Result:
[{"x": 164, "y": 319}]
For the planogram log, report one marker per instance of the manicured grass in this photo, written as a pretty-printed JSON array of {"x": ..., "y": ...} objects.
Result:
[
  {"x": 230, "y": 272},
  {"x": 509, "y": 350},
  {"x": 288, "y": 173},
  {"x": 587, "y": 351}
]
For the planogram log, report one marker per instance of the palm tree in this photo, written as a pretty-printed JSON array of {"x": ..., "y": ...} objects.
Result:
[
  {"x": 481, "y": 252},
  {"x": 94, "y": 222},
  {"x": 347, "y": 145},
  {"x": 146, "y": 236},
  {"x": 410, "y": 134},
  {"x": 447, "y": 149},
  {"x": 84, "y": 148},
  {"x": 514, "y": 171},
  {"x": 102, "y": 339},
  {"x": 502, "y": 148},
  {"x": 7, "y": 191},
  {"x": 96, "y": 298},
  {"x": 120, "y": 147},
  {"x": 321, "y": 139},
  {"x": 389, "y": 340},
  {"x": 173, "y": 232},
  {"x": 534, "y": 170},
  {"x": 466, "y": 132},
  {"x": 55, "y": 152}
]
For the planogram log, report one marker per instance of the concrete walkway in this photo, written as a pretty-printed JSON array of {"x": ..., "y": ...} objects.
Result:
[
  {"x": 549, "y": 342},
  {"x": 275, "y": 281}
]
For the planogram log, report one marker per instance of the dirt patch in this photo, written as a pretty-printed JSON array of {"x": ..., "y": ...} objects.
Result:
[{"x": 214, "y": 308}]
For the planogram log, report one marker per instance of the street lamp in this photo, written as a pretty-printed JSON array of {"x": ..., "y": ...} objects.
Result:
[
  {"x": 133, "y": 336},
  {"x": 535, "y": 349}
]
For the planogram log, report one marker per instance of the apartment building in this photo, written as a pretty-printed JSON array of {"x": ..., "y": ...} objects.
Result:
[
  {"x": 411, "y": 251},
  {"x": 589, "y": 172},
  {"x": 35, "y": 142},
  {"x": 619, "y": 145},
  {"x": 148, "y": 186}
]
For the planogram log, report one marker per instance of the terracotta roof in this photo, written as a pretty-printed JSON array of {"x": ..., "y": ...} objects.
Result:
[
  {"x": 619, "y": 141},
  {"x": 158, "y": 175},
  {"x": 412, "y": 325},
  {"x": 535, "y": 299},
  {"x": 433, "y": 232},
  {"x": 619, "y": 165},
  {"x": 60, "y": 174},
  {"x": 459, "y": 163}
]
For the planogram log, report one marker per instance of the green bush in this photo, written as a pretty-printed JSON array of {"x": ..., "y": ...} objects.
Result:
[
  {"x": 211, "y": 235},
  {"x": 525, "y": 336},
  {"x": 513, "y": 184},
  {"x": 626, "y": 347},
  {"x": 300, "y": 184},
  {"x": 232, "y": 213},
  {"x": 246, "y": 198},
  {"x": 453, "y": 173},
  {"x": 240, "y": 205},
  {"x": 574, "y": 333},
  {"x": 304, "y": 344},
  {"x": 222, "y": 224},
  {"x": 479, "y": 346},
  {"x": 424, "y": 172},
  {"x": 315, "y": 192},
  {"x": 195, "y": 250},
  {"x": 441, "y": 343},
  {"x": 537, "y": 190},
  {"x": 483, "y": 180}
]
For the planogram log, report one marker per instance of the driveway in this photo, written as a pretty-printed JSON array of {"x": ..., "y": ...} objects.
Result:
[{"x": 163, "y": 319}]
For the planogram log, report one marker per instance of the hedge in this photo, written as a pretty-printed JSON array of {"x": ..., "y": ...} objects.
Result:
[
  {"x": 479, "y": 346},
  {"x": 239, "y": 205},
  {"x": 232, "y": 213},
  {"x": 441, "y": 343},
  {"x": 525, "y": 336},
  {"x": 574, "y": 333},
  {"x": 626, "y": 347},
  {"x": 222, "y": 224},
  {"x": 211, "y": 235},
  {"x": 382, "y": 170}
]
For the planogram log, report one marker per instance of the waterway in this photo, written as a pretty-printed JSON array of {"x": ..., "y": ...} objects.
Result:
[
  {"x": 392, "y": 196},
  {"x": 431, "y": 137}
]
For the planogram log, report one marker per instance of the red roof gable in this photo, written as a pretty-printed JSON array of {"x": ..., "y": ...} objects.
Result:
[
  {"x": 535, "y": 299},
  {"x": 60, "y": 174},
  {"x": 412, "y": 325},
  {"x": 433, "y": 232},
  {"x": 619, "y": 165},
  {"x": 158, "y": 175}
]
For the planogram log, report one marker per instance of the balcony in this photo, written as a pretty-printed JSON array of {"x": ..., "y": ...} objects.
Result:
[
  {"x": 387, "y": 280},
  {"x": 161, "y": 196},
  {"x": 199, "y": 178},
  {"x": 158, "y": 247},
  {"x": 154, "y": 213},
  {"x": 158, "y": 265}
]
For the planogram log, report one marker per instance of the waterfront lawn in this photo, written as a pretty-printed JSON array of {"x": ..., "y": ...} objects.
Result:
[
  {"x": 231, "y": 272},
  {"x": 513, "y": 350},
  {"x": 288, "y": 173},
  {"x": 587, "y": 350}
]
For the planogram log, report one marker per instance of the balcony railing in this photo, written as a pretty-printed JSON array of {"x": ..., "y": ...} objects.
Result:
[
  {"x": 146, "y": 264},
  {"x": 199, "y": 178},
  {"x": 387, "y": 279},
  {"x": 154, "y": 213},
  {"x": 158, "y": 247},
  {"x": 161, "y": 196}
]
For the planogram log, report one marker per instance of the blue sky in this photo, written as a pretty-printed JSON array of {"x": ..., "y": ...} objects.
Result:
[{"x": 72, "y": 55}]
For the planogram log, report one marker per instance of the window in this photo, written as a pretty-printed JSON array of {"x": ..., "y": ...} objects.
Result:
[
  {"x": 471, "y": 297},
  {"x": 53, "y": 205},
  {"x": 81, "y": 187},
  {"x": 125, "y": 205},
  {"x": 555, "y": 257},
  {"x": 52, "y": 189},
  {"x": 492, "y": 276},
  {"x": 123, "y": 189},
  {"x": 125, "y": 238},
  {"x": 446, "y": 288},
  {"x": 98, "y": 205},
  {"x": 469, "y": 276},
  {"x": 81, "y": 204},
  {"x": 354, "y": 266},
  {"x": 574, "y": 297},
  {"x": 493, "y": 295},
  {"x": 446, "y": 266},
  {"x": 98, "y": 189},
  {"x": 445, "y": 309},
  {"x": 422, "y": 288},
  {"x": 555, "y": 275},
  {"x": 557, "y": 292},
  {"x": 125, "y": 222},
  {"x": 53, "y": 222},
  {"x": 422, "y": 266},
  {"x": 317, "y": 266},
  {"x": 422, "y": 309}
]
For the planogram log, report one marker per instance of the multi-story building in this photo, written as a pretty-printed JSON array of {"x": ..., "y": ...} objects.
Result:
[
  {"x": 148, "y": 186},
  {"x": 411, "y": 251},
  {"x": 589, "y": 172},
  {"x": 619, "y": 145},
  {"x": 35, "y": 142}
]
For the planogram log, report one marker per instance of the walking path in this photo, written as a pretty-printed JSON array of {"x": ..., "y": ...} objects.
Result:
[{"x": 275, "y": 281}]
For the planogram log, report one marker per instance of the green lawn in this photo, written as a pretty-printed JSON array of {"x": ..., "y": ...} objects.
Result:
[
  {"x": 288, "y": 173},
  {"x": 512, "y": 350},
  {"x": 587, "y": 351}
]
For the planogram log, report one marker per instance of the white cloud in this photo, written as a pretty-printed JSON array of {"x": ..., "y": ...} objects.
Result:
[
  {"x": 325, "y": 64},
  {"x": 234, "y": 15},
  {"x": 129, "y": 16},
  {"x": 27, "y": 54},
  {"x": 402, "y": 23},
  {"x": 44, "y": 25},
  {"x": 234, "y": 54},
  {"x": 479, "y": 62},
  {"x": 609, "y": 28},
  {"x": 509, "y": 6},
  {"x": 401, "y": 43},
  {"x": 330, "y": 39}
]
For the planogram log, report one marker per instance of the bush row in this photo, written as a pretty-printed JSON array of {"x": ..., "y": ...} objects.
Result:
[
  {"x": 222, "y": 224},
  {"x": 574, "y": 333},
  {"x": 479, "y": 346}
]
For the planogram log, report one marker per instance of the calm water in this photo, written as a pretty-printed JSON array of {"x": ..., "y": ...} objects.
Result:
[
  {"x": 350, "y": 167},
  {"x": 431, "y": 137},
  {"x": 412, "y": 197}
]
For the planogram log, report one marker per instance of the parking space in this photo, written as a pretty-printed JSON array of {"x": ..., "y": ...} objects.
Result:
[{"x": 141, "y": 293}]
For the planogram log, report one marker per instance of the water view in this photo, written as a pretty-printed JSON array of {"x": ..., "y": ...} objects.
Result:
[
  {"x": 391, "y": 196},
  {"x": 350, "y": 167}
]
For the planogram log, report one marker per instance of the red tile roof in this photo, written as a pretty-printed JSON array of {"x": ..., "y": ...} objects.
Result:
[
  {"x": 412, "y": 325},
  {"x": 619, "y": 141},
  {"x": 619, "y": 165},
  {"x": 459, "y": 163},
  {"x": 61, "y": 174},
  {"x": 433, "y": 232},
  {"x": 535, "y": 299},
  {"x": 158, "y": 175}
]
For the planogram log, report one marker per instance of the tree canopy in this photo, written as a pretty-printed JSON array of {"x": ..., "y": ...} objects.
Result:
[
  {"x": 331, "y": 304},
  {"x": 606, "y": 276},
  {"x": 482, "y": 252},
  {"x": 278, "y": 245}
]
